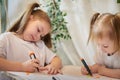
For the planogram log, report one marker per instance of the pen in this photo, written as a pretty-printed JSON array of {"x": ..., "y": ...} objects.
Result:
[
  {"x": 33, "y": 55},
  {"x": 86, "y": 66},
  {"x": 53, "y": 78}
]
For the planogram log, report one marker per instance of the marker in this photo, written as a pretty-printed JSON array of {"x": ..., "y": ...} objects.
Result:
[
  {"x": 33, "y": 55},
  {"x": 53, "y": 78},
  {"x": 86, "y": 66}
]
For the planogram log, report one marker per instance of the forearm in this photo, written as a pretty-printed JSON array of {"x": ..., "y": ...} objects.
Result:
[
  {"x": 114, "y": 73},
  {"x": 56, "y": 62},
  {"x": 6, "y": 65}
]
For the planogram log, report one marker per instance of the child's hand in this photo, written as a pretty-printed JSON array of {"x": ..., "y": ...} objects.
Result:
[
  {"x": 30, "y": 65},
  {"x": 101, "y": 69},
  {"x": 84, "y": 71},
  {"x": 94, "y": 69},
  {"x": 50, "y": 69}
]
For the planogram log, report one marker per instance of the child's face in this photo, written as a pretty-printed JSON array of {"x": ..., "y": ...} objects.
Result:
[
  {"x": 36, "y": 29},
  {"x": 106, "y": 45}
]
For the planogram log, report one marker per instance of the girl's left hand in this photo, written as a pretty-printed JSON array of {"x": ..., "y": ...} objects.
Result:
[
  {"x": 101, "y": 69},
  {"x": 51, "y": 69}
]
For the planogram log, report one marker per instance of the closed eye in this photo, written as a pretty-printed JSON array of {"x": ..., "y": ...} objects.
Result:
[{"x": 105, "y": 46}]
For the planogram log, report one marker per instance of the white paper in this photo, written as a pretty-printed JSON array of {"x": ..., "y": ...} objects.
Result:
[{"x": 39, "y": 76}]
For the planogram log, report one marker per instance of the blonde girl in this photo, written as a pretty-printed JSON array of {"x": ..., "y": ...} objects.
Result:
[{"x": 105, "y": 33}]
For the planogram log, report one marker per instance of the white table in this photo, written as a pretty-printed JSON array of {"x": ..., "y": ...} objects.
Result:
[{"x": 70, "y": 72}]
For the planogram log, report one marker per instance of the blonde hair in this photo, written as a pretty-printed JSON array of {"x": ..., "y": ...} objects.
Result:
[
  {"x": 105, "y": 24},
  {"x": 20, "y": 25}
]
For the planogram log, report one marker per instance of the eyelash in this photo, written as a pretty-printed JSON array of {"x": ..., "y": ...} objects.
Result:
[{"x": 105, "y": 46}]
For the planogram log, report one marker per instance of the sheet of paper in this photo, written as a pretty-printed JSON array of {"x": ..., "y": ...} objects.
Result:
[
  {"x": 69, "y": 73},
  {"x": 75, "y": 71},
  {"x": 68, "y": 77},
  {"x": 39, "y": 76}
]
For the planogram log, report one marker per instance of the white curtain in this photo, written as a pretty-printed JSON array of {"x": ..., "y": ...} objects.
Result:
[
  {"x": 78, "y": 17},
  {"x": 79, "y": 13}
]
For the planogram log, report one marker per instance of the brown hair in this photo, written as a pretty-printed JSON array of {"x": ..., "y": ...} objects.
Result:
[
  {"x": 105, "y": 24},
  {"x": 20, "y": 25}
]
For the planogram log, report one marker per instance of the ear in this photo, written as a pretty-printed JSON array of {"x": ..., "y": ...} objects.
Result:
[{"x": 31, "y": 17}]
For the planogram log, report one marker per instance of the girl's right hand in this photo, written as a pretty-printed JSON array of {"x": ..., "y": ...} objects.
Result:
[
  {"x": 30, "y": 65},
  {"x": 84, "y": 71},
  {"x": 94, "y": 69}
]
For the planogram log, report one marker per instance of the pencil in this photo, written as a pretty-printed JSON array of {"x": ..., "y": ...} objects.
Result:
[
  {"x": 86, "y": 66},
  {"x": 32, "y": 54}
]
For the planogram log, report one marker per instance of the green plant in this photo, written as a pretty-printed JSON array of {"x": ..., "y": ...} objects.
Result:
[
  {"x": 3, "y": 15},
  {"x": 59, "y": 25},
  {"x": 118, "y": 1}
]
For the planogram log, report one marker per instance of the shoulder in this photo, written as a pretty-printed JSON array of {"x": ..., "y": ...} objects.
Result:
[
  {"x": 4, "y": 38},
  {"x": 40, "y": 43},
  {"x": 6, "y": 34}
]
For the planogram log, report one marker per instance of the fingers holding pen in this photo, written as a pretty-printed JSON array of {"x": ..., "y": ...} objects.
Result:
[
  {"x": 31, "y": 65},
  {"x": 84, "y": 71},
  {"x": 35, "y": 61},
  {"x": 36, "y": 64}
]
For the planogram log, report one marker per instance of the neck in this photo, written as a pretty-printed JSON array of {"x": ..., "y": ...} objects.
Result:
[{"x": 112, "y": 53}]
